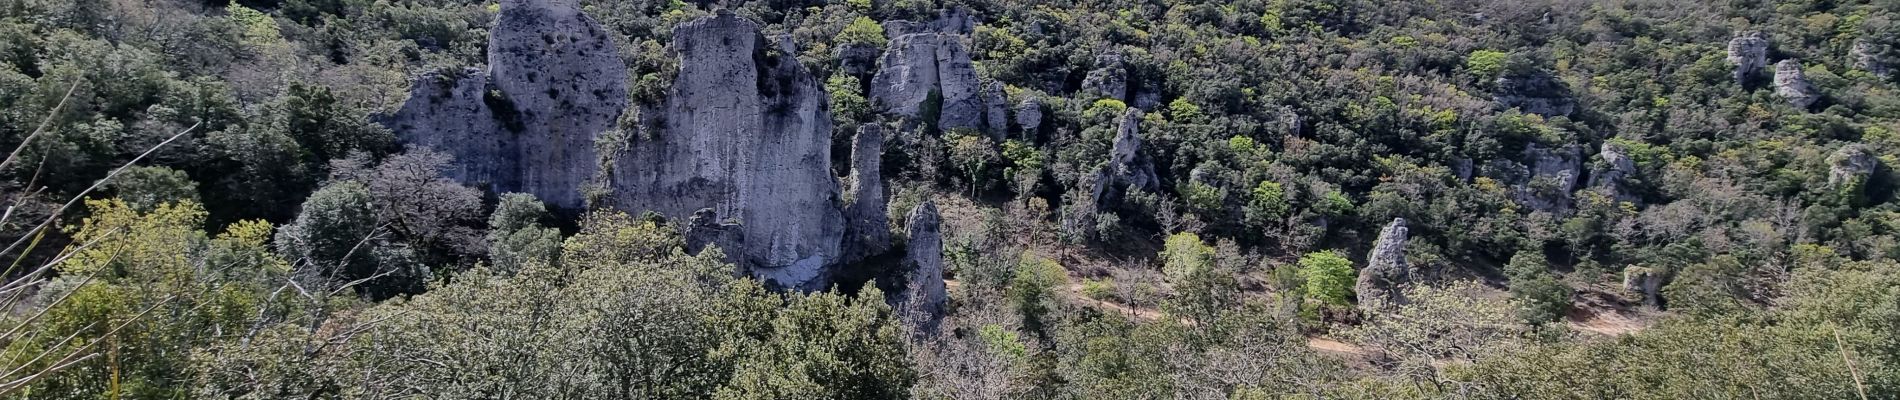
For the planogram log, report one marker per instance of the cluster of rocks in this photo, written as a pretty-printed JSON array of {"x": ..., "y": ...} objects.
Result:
[
  {"x": 1748, "y": 54},
  {"x": 1549, "y": 178}
]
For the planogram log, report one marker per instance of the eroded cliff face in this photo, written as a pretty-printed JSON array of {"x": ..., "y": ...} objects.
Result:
[
  {"x": 528, "y": 123},
  {"x": 449, "y": 111},
  {"x": 929, "y": 72},
  {"x": 746, "y": 134},
  {"x": 868, "y": 229},
  {"x": 566, "y": 82}
]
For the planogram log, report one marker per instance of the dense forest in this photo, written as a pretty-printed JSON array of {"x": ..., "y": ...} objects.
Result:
[{"x": 950, "y": 199}]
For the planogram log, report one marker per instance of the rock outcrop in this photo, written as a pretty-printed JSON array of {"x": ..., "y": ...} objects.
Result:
[
  {"x": 449, "y": 111},
  {"x": 1792, "y": 84},
  {"x": 1549, "y": 178},
  {"x": 954, "y": 21},
  {"x": 1748, "y": 53},
  {"x": 1535, "y": 93},
  {"x": 1029, "y": 117},
  {"x": 996, "y": 112},
  {"x": 924, "y": 295},
  {"x": 1644, "y": 282},
  {"x": 1850, "y": 166},
  {"x": 554, "y": 83},
  {"x": 859, "y": 60},
  {"x": 867, "y": 231},
  {"x": 746, "y": 133},
  {"x": 566, "y": 82},
  {"x": 1872, "y": 58},
  {"x": 1382, "y": 282},
  {"x": 1128, "y": 167},
  {"x": 922, "y": 70},
  {"x": 1109, "y": 79},
  {"x": 1612, "y": 175}
]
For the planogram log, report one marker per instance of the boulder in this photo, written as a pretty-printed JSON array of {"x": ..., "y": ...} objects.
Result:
[
  {"x": 1128, "y": 167},
  {"x": 1550, "y": 177},
  {"x": 1109, "y": 79},
  {"x": 1535, "y": 93},
  {"x": 746, "y": 133},
  {"x": 867, "y": 230},
  {"x": 1611, "y": 175},
  {"x": 996, "y": 112},
  {"x": 1029, "y": 117},
  {"x": 924, "y": 295},
  {"x": 1792, "y": 84},
  {"x": 1382, "y": 282},
  {"x": 564, "y": 78},
  {"x": 919, "y": 66},
  {"x": 1872, "y": 57},
  {"x": 1851, "y": 166},
  {"x": 1748, "y": 53},
  {"x": 1644, "y": 282}
]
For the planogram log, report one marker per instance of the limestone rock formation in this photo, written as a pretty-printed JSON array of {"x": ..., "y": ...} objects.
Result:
[
  {"x": 1748, "y": 53},
  {"x": 995, "y": 112},
  {"x": 449, "y": 111},
  {"x": 924, "y": 293},
  {"x": 1550, "y": 177},
  {"x": 1029, "y": 117},
  {"x": 1611, "y": 176},
  {"x": 747, "y": 134},
  {"x": 528, "y": 125},
  {"x": 867, "y": 230},
  {"x": 566, "y": 82},
  {"x": 1872, "y": 57},
  {"x": 859, "y": 60},
  {"x": 1128, "y": 167},
  {"x": 919, "y": 66},
  {"x": 1851, "y": 165},
  {"x": 1792, "y": 84},
  {"x": 1290, "y": 120},
  {"x": 1536, "y": 93},
  {"x": 1382, "y": 282},
  {"x": 954, "y": 21},
  {"x": 1644, "y": 282},
  {"x": 1109, "y": 79}
]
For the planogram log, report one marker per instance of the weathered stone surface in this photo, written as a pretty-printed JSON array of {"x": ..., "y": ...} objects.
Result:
[
  {"x": 924, "y": 294},
  {"x": 447, "y": 111},
  {"x": 1291, "y": 121},
  {"x": 746, "y": 133},
  {"x": 1536, "y": 93},
  {"x": 1792, "y": 84},
  {"x": 528, "y": 125},
  {"x": 1851, "y": 165},
  {"x": 1128, "y": 167},
  {"x": 996, "y": 111},
  {"x": 954, "y": 21},
  {"x": 1382, "y": 282},
  {"x": 1029, "y": 117},
  {"x": 562, "y": 75},
  {"x": 1109, "y": 79},
  {"x": 867, "y": 229},
  {"x": 1872, "y": 57},
  {"x": 1551, "y": 175},
  {"x": 1644, "y": 282},
  {"x": 1612, "y": 174},
  {"x": 859, "y": 60},
  {"x": 1748, "y": 53},
  {"x": 921, "y": 65}
]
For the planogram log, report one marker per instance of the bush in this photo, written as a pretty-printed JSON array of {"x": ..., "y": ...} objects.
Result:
[{"x": 1328, "y": 277}]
